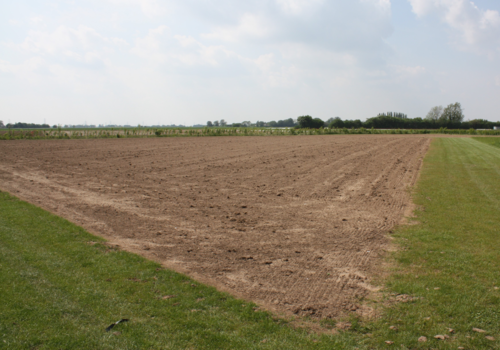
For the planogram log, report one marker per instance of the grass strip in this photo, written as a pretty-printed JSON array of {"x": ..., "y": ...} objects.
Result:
[
  {"x": 492, "y": 141},
  {"x": 449, "y": 261},
  {"x": 60, "y": 290}
]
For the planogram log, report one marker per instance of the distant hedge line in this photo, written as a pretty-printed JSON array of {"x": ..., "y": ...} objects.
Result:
[{"x": 169, "y": 132}]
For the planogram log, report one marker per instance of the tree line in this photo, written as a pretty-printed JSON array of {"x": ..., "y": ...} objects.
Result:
[
  {"x": 24, "y": 126},
  {"x": 451, "y": 117}
]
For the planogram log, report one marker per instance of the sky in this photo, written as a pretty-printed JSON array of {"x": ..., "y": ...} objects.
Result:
[{"x": 190, "y": 61}]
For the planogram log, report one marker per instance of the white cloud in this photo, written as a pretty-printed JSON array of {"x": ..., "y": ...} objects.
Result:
[
  {"x": 408, "y": 71},
  {"x": 83, "y": 44},
  {"x": 358, "y": 25},
  {"x": 161, "y": 47},
  {"x": 36, "y": 20},
  {"x": 195, "y": 53},
  {"x": 33, "y": 70},
  {"x": 151, "y": 8},
  {"x": 249, "y": 26},
  {"x": 150, "y": 46},
  {"x": 299, "y": 7},
  {"x": 478, "y": 29},
  {"x": 383, "y": 5}
]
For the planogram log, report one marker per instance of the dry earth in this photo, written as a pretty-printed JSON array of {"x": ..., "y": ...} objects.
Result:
[{"x": 297, "y": 224}]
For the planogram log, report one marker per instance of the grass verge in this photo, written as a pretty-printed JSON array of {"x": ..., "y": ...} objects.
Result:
[
  {"x": 492, "y": 141},
  {"x": 449, "y": 261}
]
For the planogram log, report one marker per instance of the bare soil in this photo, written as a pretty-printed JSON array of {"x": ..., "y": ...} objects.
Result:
[{"x": 296, "y": 224}]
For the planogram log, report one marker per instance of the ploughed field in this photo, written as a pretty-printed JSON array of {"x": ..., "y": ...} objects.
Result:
[{"x": 297, "y": 224}]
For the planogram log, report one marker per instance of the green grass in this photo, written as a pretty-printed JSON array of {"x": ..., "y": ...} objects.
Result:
[
  {"x": 454, "y": 247},
  {"x": 59, "y": 292},
  {"x": 492, "y": 141}
]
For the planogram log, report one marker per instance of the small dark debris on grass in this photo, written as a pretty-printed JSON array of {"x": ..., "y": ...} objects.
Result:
[
  {"x": 114, "y": 324},
  {"x": 134, "y": 279}
]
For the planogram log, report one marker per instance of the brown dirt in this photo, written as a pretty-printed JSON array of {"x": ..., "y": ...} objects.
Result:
[{"x": 296, "y": 224}]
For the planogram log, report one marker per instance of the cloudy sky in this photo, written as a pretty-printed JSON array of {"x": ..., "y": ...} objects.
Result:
[{"x": 190, "y": 61}]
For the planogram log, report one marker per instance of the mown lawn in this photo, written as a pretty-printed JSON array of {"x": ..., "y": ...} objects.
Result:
[
  {"x": 450, "y": 258},
  {"x": 492, "y": 141},
  {"x": 59, "y": 290}
]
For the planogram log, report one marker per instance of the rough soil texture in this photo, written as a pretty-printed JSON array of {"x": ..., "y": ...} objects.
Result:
[{"x": 296, "y": 224}]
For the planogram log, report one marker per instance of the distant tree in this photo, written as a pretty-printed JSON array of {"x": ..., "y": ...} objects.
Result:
[
  {"x": 285, "y": 123},
  {"x": 1, "y": 124},
  {"x": 247, "y": 123},
  {"x": 209, "y": 124},
  {"x": 272, "y": 124},
  {"x": 260, "y": 124},
  {"x": 353, "y": 123},
  {"x": 479, "y": 124},
  {"x": 336, "y": 123},
  {"x": 394, "y": 115},
  {"x": 25, "y": 125},
  {"x": 236, "y": 125},
  {"x": 435, "y": 113},
  {"x": 306, "y": 121},
  {"x": 453, "y": 113},
  {"x": 216, "y": 123},
  {"x": 222, "y": 122}
]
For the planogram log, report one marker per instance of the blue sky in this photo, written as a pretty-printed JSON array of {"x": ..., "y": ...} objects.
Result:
[{"x": 187, "y": 62}]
